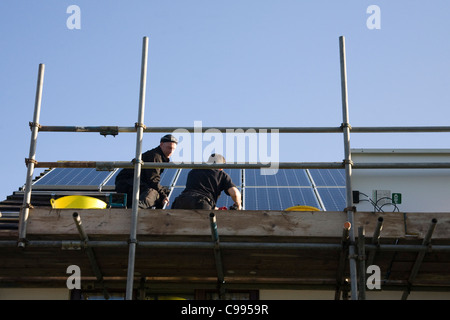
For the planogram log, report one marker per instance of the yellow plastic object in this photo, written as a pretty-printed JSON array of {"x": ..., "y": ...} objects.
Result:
[
  {"x": 302, "y": 208},
  {"x": 77, "y": 202}
]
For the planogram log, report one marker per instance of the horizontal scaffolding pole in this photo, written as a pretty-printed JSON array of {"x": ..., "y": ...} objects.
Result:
[
  {"x": 114, "y": 130},
  {"x": 74, "y": 244},
  {"x": 402, "y": 165},
  {"x": 111, "y": 165},
  {"x": 111, "y": 130}
]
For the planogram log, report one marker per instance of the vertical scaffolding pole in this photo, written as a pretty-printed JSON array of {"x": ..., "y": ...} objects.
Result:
[
  {"x": 425, "y": 242},
  {"x": 217, "y": 256},
  {"x": 31, "y": 159},
  {"x": 137, "y": 173},
  {"x": 90, "y": 253},
  {"x": 348, "y": 169},
  {"x": 362, "y": 263},
  {"x": 340, "y": 281}
]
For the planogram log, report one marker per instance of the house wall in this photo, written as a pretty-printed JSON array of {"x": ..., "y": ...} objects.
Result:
[
  {"x": 329, "y": 295},
  {"x": 422, "y": 190},
  {"x": 34, "y": 294},
  {"x": 63, "y": 294}
]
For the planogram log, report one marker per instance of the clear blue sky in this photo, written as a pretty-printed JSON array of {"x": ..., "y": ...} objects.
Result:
[{"x": 225, "y": 63}]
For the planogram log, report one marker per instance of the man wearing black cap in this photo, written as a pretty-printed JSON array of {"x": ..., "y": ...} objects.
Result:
[
  {"x": 151, "y": 193},
  {"x": 204, "y": 186}
]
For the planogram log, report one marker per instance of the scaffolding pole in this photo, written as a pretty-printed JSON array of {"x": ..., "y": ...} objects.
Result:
[
  {"x": 115, "y": 130},
  {"x": 375, "y": 240},
  {"x": 340, "y": 281},
  {"x": 25, "y": 210},
  {"x": 90, "y": 253},
  {"x": 348, "y": 169},
  {"x": 362, "y": 263},
  {"x": 77, "y": 244},
  {"x": 425, "y": 243},
  {"x": 137, "y": 173},
  {"x": 111, "y": 165},
  {"x": 217, "y": 256}
]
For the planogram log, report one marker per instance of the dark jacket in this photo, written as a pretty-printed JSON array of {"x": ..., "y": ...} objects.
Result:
[
  {"x": 208, "y": 182},
  {"x": 150, "y": 178}
]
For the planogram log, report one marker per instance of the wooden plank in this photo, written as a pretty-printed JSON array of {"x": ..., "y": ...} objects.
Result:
[
  {"x": 393, "y": 223},
  {"x": 417, "y": 223},
  {"x": 108, "y": 222},
  {"x": 188, "y": 223}
]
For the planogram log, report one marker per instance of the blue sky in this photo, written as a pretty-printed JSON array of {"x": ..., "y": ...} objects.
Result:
[{"x": 224, "y": 63}]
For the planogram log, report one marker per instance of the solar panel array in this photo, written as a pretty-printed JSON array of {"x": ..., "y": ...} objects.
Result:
[
  {"x": 261, "y": 189},
  {"x": 75, "y": 178}
]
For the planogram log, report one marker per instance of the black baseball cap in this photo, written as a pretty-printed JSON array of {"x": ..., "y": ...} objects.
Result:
[{"x": 169, "y": 138}]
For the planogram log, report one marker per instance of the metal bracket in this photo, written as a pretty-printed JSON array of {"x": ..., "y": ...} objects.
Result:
[
  {"x": 71, "y": 245},
  {"x": 132, "y": 241},
  {"x": 104, "y": 166},
  {"x": 28, "y": 161},
  {"x": 140, "y": 125},
  {"x": 109, "y": 130},
  {"x": 346, "y": 125},
  {"x": 34, "y": 124},
  {"x": 134, "y": 161},
  {"x": 345, "y": 161}
]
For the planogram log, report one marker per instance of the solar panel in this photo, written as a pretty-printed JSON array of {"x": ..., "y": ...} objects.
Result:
[
  {"x": 278, "y": 198},
  {"x": 320, "y": 188},
  {"x": 167, "y": 177},
  {"x": 333, "y": 199},
  {"x": 72, "y": 178},
  {"x": 283, "y": 177},
  {"x": 182, "y": 177},
  {"x": 328, "y": 177},
  {"x": 235, "y": 175}
]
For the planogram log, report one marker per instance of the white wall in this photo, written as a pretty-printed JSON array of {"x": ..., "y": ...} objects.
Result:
[{"x": 423, "y": 190}]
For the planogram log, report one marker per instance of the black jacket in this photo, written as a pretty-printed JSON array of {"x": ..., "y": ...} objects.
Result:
[
  {"x": 150, "y": 178},
  {"x": 208, "y": 182}
]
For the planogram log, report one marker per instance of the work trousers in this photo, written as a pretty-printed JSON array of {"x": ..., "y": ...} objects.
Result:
[
  {"x": 148, "y": 197},
  {"x": 193, "y": 201}
]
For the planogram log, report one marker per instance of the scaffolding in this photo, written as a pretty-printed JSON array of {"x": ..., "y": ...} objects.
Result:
[{"x": 349, "y": 248}]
